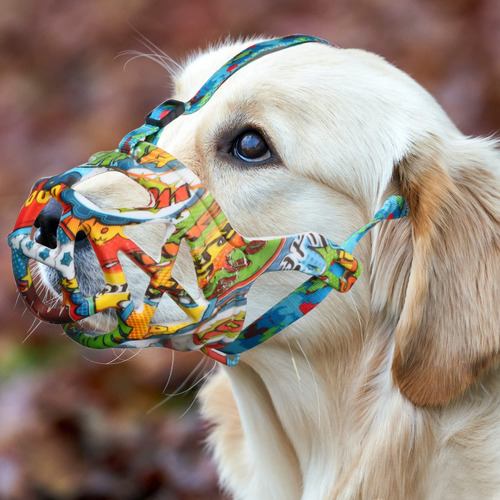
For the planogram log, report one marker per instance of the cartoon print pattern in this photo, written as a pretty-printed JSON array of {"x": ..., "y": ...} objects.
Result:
[{"x": 226, "y": 263}]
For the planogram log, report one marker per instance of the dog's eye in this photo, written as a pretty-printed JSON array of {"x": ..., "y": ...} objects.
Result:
[{"x": 250, "y": 146}]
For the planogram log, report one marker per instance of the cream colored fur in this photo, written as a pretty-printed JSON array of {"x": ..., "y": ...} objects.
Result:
[{"x": 390, "y": 391}]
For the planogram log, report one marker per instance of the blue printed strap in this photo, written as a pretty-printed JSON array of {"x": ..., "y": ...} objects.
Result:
[
  {"x": 394, "y": 207},
  {"x": 305, "y": 297},
  {"x": 283, "y": 314},
  {"x": 246, "y": 56}
]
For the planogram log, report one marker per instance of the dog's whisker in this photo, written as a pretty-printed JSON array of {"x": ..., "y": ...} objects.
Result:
[
  {"x": 118, "y": 356},
  {"x": 299, "y": 378},
  {"x": 293, "y": 361},
  {"x": 198, "y": 393},
  {"x": 137, "y": 55},
  {"x": 205, "y": 376},
  {"x": 171, "y": 371},
  {"x": 314, "y": 380},
  {"x": 156, "y": 55},
  {"x": 157, "y": 50},
  {"x": 36, "y": 323},
  {"x": 155, "y": 407},
  {"x": 176, "y": 393},
  {"x": 132, "y": 356},
  {"x": 192, "y": 402},
  {"x": 116, "y": 360},
  {"x": 199, "y": 365},
  {"x": 93, "y": 361},
  {"x": 104, "y": 363}
]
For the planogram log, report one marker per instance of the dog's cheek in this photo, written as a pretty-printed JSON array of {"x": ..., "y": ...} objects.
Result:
[
  {"x": 273, "y": 203},
  {"x": 268, "y": 290}
]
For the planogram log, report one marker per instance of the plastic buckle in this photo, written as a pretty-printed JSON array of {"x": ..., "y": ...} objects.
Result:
[
  {"x": 221, "y": 357},
  {"x": 175, "y": 112}
]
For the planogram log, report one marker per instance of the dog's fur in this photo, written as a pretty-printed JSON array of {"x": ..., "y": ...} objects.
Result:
[{"x": 389, "y": 391}]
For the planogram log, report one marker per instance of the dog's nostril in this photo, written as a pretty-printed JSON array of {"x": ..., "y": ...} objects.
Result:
[
  {"x": 80, "y": 235},
  {"x": 47, "y": 223}
]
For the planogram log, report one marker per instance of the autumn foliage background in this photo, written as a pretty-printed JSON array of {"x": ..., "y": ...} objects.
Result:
[{"x": 80, "y": 424}]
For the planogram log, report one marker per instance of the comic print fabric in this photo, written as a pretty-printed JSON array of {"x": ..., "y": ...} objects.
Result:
[{"x": 226, "y": 263}]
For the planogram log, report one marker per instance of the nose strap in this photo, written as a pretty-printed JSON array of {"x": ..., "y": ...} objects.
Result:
[{"x": 171, "y": 109}]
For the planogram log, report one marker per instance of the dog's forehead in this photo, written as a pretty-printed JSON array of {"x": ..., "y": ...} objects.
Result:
[
  {"x": 308, "y": 81},
  {"x": 201, "y": 66},
  {"x": 359, "y": 113}
]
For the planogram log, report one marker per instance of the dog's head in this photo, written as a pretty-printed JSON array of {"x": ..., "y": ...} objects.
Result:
[{"x": 314, "y": 138}]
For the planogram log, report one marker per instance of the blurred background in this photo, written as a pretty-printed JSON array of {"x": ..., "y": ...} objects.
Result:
[{"x": 81, "y": 424}]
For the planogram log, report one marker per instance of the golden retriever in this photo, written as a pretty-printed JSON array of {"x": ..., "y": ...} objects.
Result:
[{"x": 390, "y": 391}]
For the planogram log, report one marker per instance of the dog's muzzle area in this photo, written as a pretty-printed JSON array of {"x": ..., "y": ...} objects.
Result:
[
  {"x": 88, "y": 270},
  {"x": 111, "y": 257}
]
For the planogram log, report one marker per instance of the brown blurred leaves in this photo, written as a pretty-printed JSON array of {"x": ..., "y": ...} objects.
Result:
[{"x": 73, "y": 429}]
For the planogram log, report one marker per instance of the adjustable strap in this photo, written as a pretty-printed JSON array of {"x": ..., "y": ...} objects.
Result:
[
  {"x": 394, "y": 207},
  {"x": 171, "y": 109},
  {"x": 305, "y": 297}
]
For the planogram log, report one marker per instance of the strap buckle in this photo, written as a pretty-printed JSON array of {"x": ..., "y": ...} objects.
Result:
[
  {"x": 222, "y": 357},
  {"x": 171, "y": 107}
]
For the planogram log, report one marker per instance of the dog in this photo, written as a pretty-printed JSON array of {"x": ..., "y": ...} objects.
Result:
[{"x": 393, "y": 390}]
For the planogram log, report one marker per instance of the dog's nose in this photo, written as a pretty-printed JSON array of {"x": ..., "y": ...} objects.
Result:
[{"x": 47, "y": 223}]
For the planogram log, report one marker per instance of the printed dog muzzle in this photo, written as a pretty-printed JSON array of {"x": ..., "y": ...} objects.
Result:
[{"x": 226, "y": 263}]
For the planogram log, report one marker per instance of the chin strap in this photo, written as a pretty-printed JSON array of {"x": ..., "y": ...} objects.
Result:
[{"x": 308, "y": 295}]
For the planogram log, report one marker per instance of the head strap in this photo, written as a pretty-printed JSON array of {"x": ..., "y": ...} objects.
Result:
[{"x": 169, "y": 110}]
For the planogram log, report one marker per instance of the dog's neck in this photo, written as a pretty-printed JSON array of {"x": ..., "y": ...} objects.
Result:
[
  {"x": 321, "y": 413},
  {"x": 326, "y": 419},
  {"x": 315, "y": 399}
]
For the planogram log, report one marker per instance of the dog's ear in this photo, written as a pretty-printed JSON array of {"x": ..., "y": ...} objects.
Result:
[{"x": 448, "y": 332}]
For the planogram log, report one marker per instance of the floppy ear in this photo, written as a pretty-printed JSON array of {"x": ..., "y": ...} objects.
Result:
[{"x": 448, "y": 332}]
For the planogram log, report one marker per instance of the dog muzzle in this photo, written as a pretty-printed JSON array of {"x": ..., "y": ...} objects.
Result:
[{"x": 226, "y": 263}]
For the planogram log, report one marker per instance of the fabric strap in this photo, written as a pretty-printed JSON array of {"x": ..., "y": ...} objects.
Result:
[
  {"x": 308, "y": 295},
  {"x": 171, "y": 109}
]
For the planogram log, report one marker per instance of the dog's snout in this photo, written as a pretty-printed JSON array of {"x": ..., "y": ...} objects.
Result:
[{"x": 47, "y": 223}]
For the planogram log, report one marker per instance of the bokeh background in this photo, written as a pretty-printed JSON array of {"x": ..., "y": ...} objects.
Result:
[{"x": 80, "y": 424}]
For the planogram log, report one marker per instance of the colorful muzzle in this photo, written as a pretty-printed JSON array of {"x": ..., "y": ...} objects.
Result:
[{"x": 226, "y": 263}]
